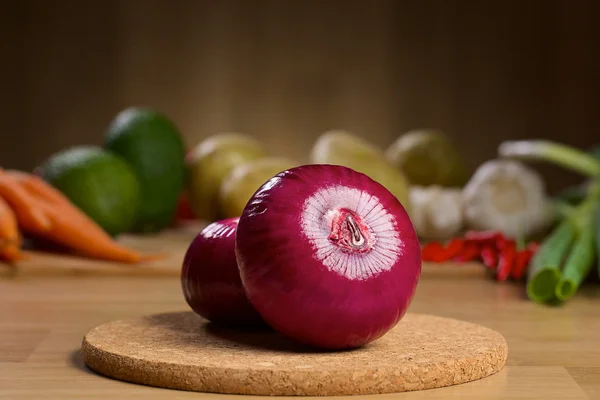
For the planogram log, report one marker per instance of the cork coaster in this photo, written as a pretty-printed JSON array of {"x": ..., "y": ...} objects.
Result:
[{"x": 184, "y": 351}]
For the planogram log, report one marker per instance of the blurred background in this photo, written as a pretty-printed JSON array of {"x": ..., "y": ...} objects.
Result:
[{"x": 285, "y": 71}]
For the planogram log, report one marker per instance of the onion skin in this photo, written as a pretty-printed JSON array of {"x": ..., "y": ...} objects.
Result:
[
  {"x": 210, "y": 278},
  {"x": 287, "y": 256}
]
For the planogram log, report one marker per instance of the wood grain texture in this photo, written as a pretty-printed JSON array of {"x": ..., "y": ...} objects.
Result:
[
  {"x": 285, "y": 71},
  {"x": 554, "y": 351},
  {"x": 183, "y": 351}
]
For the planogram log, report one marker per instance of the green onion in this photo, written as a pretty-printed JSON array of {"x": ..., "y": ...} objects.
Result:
[
  {"x": 573, "y": 195},
  {"x": 555, "y": 153},
  {"x": 579, "y": 262},
  {"x": 578, "y": 209},
  {"x": 544, "y": 270},
  {"x": 563, "y": 209}
]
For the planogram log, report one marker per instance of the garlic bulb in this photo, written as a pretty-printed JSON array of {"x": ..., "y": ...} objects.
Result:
[
  {"x": 436, "y": 212},
  {"x": 508, "y": 196}
]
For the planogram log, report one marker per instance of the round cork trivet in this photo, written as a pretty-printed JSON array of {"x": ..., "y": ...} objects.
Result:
[{"x": 184, "y": 351}]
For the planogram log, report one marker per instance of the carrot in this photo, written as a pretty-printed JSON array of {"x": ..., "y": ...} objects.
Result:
[
  {"x": 12, "y": 254},
  {"x": 84, "y": 236},
  {"x": 71, "y": 227},
  {"x": 10, "y": 237},
  {"x": 23, "y": 204},
  {"x": 37, "y": 187}
]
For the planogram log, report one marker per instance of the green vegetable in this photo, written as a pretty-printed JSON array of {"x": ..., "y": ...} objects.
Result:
[
  {"x": 556, "y": 153},
  {"x": 577, "y": 193},
  {"x": 576, "y": 239},
  {"x": 574, "y": 194},
  {"x": 544, "y": 270},
  {"x": 563, "y": 209},
  {"x": 578, "y": 265}
]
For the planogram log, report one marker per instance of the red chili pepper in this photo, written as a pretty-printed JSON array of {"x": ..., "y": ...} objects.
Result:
[
  {"x": 484, "y": 237},
  {"x": 494, "y": 239},
  {"x": 435, "y": 252},
  {"x": 489, "y": 256},
  {"x": 471, "y": 251},
  {"x": 522, "y": 260},
  {"x": 506, "y": 260},
  {"x": 184, "y": 210},
  {"x": 453, "y": 248},
  {"x": 430, "y": 251}
]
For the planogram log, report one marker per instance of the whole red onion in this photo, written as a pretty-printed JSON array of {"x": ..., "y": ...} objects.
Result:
[
  {"x": 328, "y": 256},
  {"x": 210, "y": 278}
]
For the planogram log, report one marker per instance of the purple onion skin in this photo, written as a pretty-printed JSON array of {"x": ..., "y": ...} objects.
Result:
[
  {"x": 359, "y": 297},
  {"x": 210, "y": 278}
]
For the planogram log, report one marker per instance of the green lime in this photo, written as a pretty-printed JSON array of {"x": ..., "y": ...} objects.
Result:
[
  {"x": 100, "y": 183},
  {"x": 153, "y": 146}
]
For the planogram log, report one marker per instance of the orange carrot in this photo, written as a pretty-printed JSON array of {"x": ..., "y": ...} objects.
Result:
[
  {"x": 36, "y": 186},
  {"x": 10, "y": 237},
  {"x": 23, "y": 204},
  {"x": 71, "y": 227},
  {"x": 84, "y": 236},
  {"x": 12, "y": 254}
]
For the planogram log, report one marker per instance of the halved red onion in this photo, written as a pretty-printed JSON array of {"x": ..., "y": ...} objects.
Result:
[
  {"x": 210, "y": 277},
  {"x": 328, "y": 256}
]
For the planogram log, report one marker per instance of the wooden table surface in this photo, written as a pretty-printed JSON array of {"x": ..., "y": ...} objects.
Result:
[{"x": 554, "y": 353}]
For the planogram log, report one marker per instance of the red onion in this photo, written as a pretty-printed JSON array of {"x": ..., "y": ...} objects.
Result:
[
  {"x": 210, "y": 278},
  {"x": 328, "y": 256}
]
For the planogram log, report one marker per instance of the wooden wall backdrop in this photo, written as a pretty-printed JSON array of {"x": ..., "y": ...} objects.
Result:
[{"x": 286, "y": 70}]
